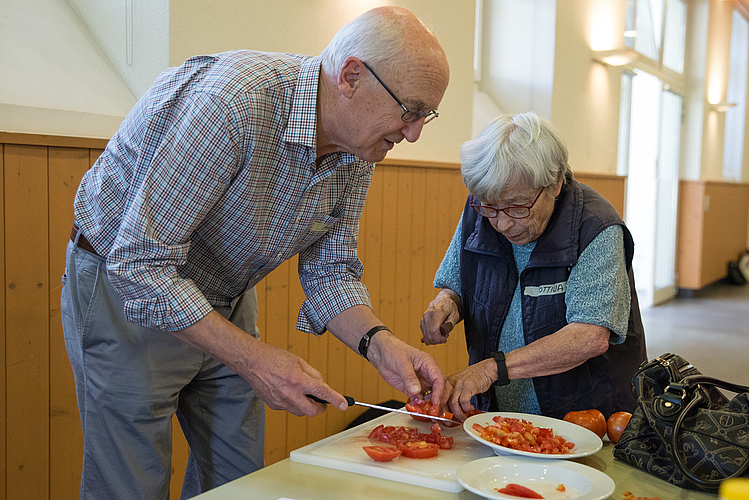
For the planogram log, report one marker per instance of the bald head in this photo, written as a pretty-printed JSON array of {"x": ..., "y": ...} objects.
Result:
[{"x": 385, "y": 37}]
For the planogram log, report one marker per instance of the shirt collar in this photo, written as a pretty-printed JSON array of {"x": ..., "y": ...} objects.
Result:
[{"x": 302, "y": 125}]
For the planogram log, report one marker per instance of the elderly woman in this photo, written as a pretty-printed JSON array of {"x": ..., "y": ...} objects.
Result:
[{"x": 540, "y": 271}]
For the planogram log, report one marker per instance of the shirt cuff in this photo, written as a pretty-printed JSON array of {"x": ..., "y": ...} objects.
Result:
[
  {"x": 319, "y": 308},
  {"x": 184, "y": 306}
]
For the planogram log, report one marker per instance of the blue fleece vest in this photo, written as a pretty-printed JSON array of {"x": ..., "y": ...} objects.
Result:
[{"x": 488, "y": 279}]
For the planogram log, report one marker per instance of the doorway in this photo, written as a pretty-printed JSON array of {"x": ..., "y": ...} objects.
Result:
[{"x": 651, "y": 164}]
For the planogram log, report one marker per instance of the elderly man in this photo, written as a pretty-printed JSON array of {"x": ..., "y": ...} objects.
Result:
[{"x": 228, "y": 166}]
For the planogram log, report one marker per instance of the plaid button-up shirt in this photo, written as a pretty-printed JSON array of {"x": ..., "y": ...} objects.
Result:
[{"x": 211, "y": 182}]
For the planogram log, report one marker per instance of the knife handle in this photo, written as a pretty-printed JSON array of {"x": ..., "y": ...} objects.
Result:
[{"x": 349, "y": 400}]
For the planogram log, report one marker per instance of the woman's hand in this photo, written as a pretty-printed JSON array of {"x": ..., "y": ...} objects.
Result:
[
  {"x": 439, "y": 318},
  {"x": 473, "y": 380}
]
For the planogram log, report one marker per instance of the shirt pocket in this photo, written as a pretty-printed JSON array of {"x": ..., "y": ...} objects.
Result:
[{"x": 315, "y": 228}]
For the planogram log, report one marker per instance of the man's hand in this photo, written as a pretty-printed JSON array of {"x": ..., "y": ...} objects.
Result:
[
  {"x": 443, "y": 312},
  {"x": 406, "y": 368},
  {"x": 281, "y": 379}
]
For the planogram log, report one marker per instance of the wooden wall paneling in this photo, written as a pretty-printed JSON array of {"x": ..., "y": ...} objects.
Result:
[
  {"x": 336, "y": 420},
  {"x": 416, "y": 255},
  {"x": 66, "y": 168},
  {"x": 611, "y": 187},
  {"x": 3, "y": 395},
  {"x": 27, "y": 321},
  {"x": 372, "y": 260},
  {"x": 277, "y": 307},
  {"x": 689, "y": 234},
  {"x": 725, "y": 228},
  {"x": 401, "y": 265},
  {"x": 296, "y": 430},
  {"x": 385, "y": 306},
  {"x": 317, "y": 356},
  {"x": 94, "y": 155},
  {"x": 432, "y": 252},
  {"x": 458, "y": 359}
]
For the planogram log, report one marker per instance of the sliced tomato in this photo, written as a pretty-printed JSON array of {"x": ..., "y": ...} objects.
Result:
[
  {"x": 518, "y": 490},
  {"x": 382, "y": 453},
  {"x": 418, "y": 449},
  {"x": 426, "y": 408},
  {"x": 376, "y": 432}
]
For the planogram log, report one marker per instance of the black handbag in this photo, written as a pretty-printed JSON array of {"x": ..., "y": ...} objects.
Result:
[{"x": 684, "y": 429}]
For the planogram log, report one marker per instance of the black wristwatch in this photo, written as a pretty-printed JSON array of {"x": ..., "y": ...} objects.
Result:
[
  {"x": 502, "y": 376},
  {"x": 364, "y": 342}
]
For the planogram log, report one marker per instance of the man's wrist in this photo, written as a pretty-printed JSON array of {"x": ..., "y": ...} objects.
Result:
[{"x": 367, "y": 338}]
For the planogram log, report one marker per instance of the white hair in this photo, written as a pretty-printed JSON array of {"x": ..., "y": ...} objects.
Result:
[
  {"x": 511, "y": 150},
  {"x": 372, "y": 37}
]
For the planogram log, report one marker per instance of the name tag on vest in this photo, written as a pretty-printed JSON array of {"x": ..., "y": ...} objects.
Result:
[
  {"x": 553, "y": 289},
  {"x": 319, "y": 227}
]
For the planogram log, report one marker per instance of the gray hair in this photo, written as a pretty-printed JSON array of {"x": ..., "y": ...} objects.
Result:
[
  {"x": 372, "y": 37},
  {"x": 512, "y": 150}
]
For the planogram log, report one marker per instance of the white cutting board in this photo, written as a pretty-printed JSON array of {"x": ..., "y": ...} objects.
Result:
[{"x": 343, "y": 451}]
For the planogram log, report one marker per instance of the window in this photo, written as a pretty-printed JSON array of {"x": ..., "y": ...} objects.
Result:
[
  {"x": 733, "y": 141},
  {"x": 657, "y": 30}
]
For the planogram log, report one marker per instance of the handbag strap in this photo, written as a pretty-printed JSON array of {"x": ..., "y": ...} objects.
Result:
[{"x": 692, "y": 381}]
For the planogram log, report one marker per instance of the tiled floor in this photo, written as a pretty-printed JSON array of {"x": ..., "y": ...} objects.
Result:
[{"x": 711, "y": 330}]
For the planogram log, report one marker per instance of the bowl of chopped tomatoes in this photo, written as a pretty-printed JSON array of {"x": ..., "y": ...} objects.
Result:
[{"x": 532, "y": 435}]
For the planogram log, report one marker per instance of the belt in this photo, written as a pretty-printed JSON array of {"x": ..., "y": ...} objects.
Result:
[{"x": 82, "y": 241}]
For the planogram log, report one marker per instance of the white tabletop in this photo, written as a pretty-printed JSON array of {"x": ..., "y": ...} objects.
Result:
[{"x": 292, "y": 480}]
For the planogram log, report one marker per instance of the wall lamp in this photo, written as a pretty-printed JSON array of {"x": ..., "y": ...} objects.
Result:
[
  {"x": 722, "y": 107},
  {"x": 616, "y": 57}
]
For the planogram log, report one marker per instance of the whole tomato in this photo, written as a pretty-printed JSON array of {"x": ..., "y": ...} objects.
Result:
[
  {"x": 616, "y": 424},
  {"x": 593, "y": 420}
]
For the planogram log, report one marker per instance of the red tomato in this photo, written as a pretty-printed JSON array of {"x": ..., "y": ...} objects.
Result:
[
  {"x": 424, "y": 407},
  {"x": 518, "y": 490},
  {"x": 593, "y": 420},
  {"x": 523, "y": 435},
  {"x": 382, "y": 453},
  {"x": 418, "y": 449},
  {"x": 616, "y": 424}
]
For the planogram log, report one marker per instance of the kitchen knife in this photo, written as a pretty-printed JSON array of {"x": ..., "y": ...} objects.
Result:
[{"x": 352, "y": 402}]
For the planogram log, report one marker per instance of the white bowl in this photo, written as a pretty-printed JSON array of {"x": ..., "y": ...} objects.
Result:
[
  {"x": 486, "y": 475},
  {"x": 586, "y": 442}
]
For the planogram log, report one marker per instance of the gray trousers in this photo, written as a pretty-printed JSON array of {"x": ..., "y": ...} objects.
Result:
[{"x": 130, "y": 380}]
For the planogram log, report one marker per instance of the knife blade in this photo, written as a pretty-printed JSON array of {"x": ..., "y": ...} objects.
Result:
[{"x": 351, "y": 402}]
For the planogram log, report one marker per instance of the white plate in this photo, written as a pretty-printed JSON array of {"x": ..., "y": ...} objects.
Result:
[
  {"x": 586, "y": 442},
  {"x": 486, "y": 475}
]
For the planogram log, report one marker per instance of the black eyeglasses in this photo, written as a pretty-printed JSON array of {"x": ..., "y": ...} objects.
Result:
[
  {"x": 517, "y": 212},
  {"x": 409, "y": 115}
]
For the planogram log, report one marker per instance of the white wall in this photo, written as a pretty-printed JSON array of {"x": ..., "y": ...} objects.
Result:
[
  {"x": 134, "y": 34},
  {"x": 55, "y": 79},
  {"x": 585, "y": 105},
  {"x": 306, "y": 26},
  {"x": 517, "y": 69}
]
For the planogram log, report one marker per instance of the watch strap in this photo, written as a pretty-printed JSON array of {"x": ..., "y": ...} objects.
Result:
[
  {"x": 503, "y": 377},
  {"x": 364, "y": 342}
]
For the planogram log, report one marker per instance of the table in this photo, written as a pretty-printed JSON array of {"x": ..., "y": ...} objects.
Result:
[{"x": 287, "y": 479}]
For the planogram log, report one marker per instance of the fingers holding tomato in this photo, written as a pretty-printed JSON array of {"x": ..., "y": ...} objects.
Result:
[
  {"x": 616, "y": 424},
  {"x": 593, "y": 420}
]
